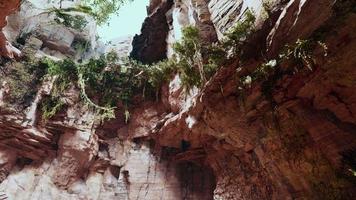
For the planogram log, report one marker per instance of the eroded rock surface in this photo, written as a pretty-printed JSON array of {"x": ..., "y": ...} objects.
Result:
[
  {"x": 217, "y": 142},
  {"x": 150, "y": 45},
  {"x": 7, "y": 8}
]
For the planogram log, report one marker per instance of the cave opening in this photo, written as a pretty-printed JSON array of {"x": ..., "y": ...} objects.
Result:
[{"x": 197, "y": 181}]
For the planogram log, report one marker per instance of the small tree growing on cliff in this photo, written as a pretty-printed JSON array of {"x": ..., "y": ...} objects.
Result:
[
  {"x": 236, "y": 37},
  {"x": 190, "y": 63},
  {"x": 102, "y": 9},
  {"x": 99, "y": 9}
]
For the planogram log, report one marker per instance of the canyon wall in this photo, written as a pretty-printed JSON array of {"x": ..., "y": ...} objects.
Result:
[
  {"x": 6, "y": 49},
  {"x": 218, "y": 142}
]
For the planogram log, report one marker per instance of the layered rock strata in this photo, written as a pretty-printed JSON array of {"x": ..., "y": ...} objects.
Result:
[
  {"x": 216, "y": 142},
  {"x": 7, "y": 8}
]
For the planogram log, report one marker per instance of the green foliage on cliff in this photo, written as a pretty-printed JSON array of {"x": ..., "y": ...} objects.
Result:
[
  {"x": 294, "y": 58},
  {"x": 50, "y": 106},
  {"x": 18, "y": 80},
  {"x": 112, "y": 80},
  {"x": 160, "y": 73},
  {"x": 197, "y": 62},
  {"x": 235, "y": 38},
  {"x": 301, "y": 53},
  {"x": 77, "y": 22},
  {"x": 80, "y": 45},
  {"x": 21, "y": 79},
  {"x": 72, "y": 17},
  {"x": 63, "y": 72},
  {"x": 190, "y": 61},
  {"x": 102, "y": 9},
  {"x": 105, "y": 82}
]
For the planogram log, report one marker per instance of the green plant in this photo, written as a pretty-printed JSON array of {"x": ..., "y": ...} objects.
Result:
[
  {"x": 68, "y": 19},
  {"x": 64, "y": 72},
  {"x": 195, "y": 62},
  {"x": 160, "y": 73},
  {"x": 215, "y": 53},
  {"x": 190, "y": 61},
  {"x": 300, "y": 57},
  {"x": 236, "y": 37},
  {"x": 22, "y": 79},
  {"x": 102, "y": 9},
  {"x": 301, "y": 53},
  {"x": 106, "y": 81},
  {"x": 19, "y": 82},
  {"x": 263, "y": 72},
  {"x": 102, "y": 112},
  {"x": 50, "y": 106},
  {"x": 81, "y": 45}
]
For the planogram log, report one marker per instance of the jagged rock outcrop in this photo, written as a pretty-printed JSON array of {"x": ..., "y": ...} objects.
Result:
[
  {"x": 38, "y": 19},
  {"x": 298, "y": 20},
  {"x": 214, "y": 116},
  {"x": 7, "y": 8},
  {"x": 150, "y": 46},
  {"x": 283, "y": 139}
]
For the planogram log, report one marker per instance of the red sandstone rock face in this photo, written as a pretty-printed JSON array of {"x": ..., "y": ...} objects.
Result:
[
  {"x": 7, "y": 8},
  {"x": 298, "y": 20},
  {"x": 213, "y": 143}
]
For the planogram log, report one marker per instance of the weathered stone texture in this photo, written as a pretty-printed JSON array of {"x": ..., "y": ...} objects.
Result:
[{"x": 216, "y": 142}]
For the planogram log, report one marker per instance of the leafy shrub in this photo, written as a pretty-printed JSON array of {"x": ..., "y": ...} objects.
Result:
[
  {"x": 50, "y": 106},
  {"x": 63, "y": 16},
  {"x": 192, "y": 56},
  {"x": 215, "y": 53},
  {"x": 236, "y": 37},
  {"x": 22, "y": 79},
  {"x": 80, "y": 45},
  {"x": 197, "y": 63},
  {"x": 64, "y": 71},
  {"x": 190, "y": 64},
  {"x": 19, "y": 82},
  {"x": 105, "y": 81},
  {"x": 102, "y": 9},
  {"x": 160, "y": 73},
  {"x": 300, "y": 54}
]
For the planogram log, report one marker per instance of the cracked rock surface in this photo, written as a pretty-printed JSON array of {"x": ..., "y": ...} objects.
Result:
[{"x": 212, "y": 143}]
